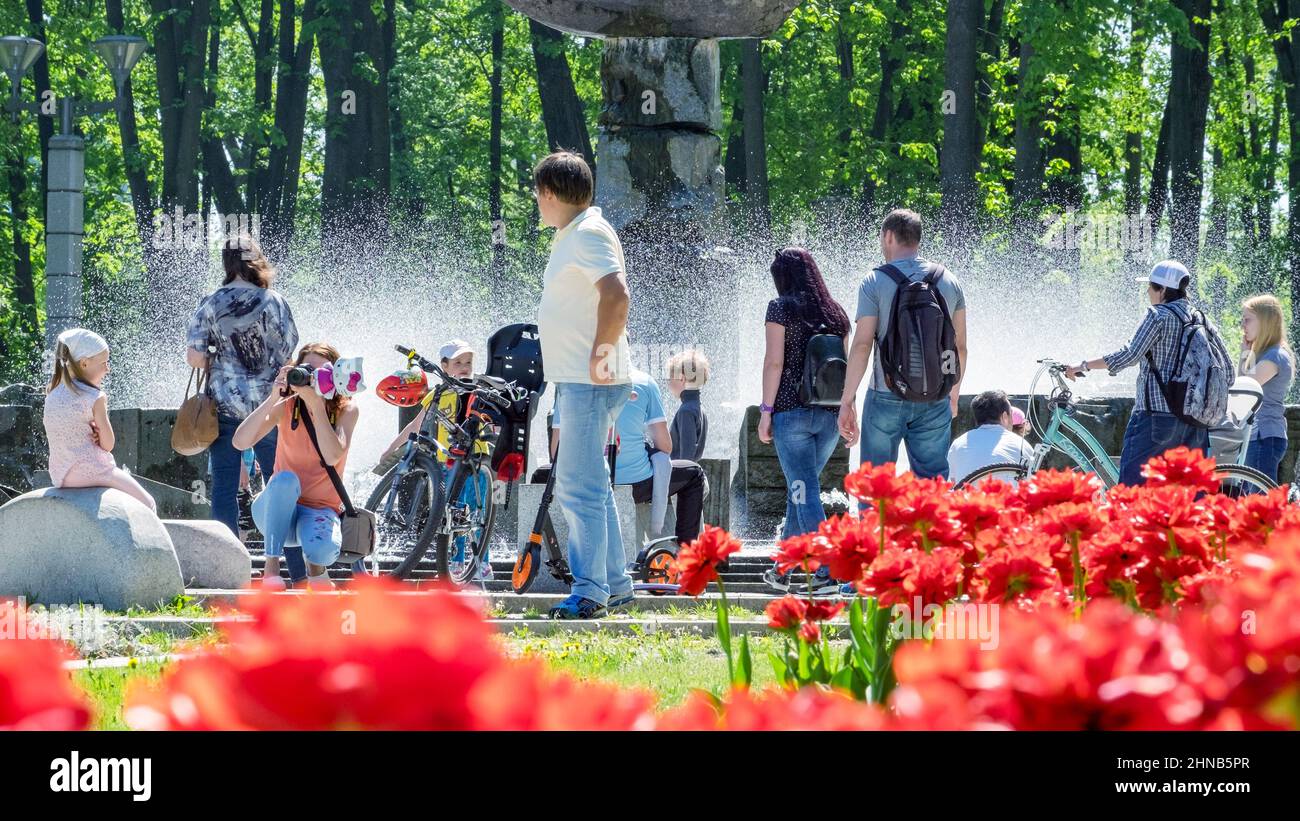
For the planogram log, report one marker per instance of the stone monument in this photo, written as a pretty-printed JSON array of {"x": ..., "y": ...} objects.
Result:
[{"x": 659, "y": 151}]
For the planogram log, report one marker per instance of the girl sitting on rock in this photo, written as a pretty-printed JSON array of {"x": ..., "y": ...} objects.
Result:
[{"x": 76, "y": 418}]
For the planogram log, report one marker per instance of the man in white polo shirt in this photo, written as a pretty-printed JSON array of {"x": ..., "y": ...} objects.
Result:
[
  {"x": 991, "y": 442},
  {"x": 582, "y": 321}
]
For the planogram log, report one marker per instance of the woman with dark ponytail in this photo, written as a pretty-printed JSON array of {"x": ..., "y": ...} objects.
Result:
[
  {"x": 242, "y": 334},
  {"x": 805, "y": 434}
]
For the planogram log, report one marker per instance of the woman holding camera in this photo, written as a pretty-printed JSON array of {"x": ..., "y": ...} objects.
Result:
[
  {"x": 300, "y": 505},
  {"x": 241, "y": 333}
]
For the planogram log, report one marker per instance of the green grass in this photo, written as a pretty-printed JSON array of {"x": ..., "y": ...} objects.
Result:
[
  {"x": 179, "y": 606},
  {"x": 106, "y": 689},
  {"x": 669, "y": 664}
]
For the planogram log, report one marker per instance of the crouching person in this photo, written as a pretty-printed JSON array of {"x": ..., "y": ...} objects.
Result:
[{"x": 299, "y": 509}]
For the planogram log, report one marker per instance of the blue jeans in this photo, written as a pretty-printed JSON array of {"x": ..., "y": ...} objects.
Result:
[
  {"x": 226, "y": 464},
  {"x": 1265, "y": 454},
  {"x": 283, "y": 522},
  {"x": 804, "y": 439},
  {"x": 472, "y": 495},
  {"x": 1151, "y": 434},
  {"x": 582, "y": 488},
  {"x": 926, "y": 427}
]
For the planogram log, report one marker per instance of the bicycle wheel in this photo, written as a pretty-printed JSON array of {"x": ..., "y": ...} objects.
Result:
[
  {"x": 1238, "y": 480},
  {"x": 409, "y": 510},
  {"x": 1006, "y": 471},
  {"x": 470, "y": 514}
]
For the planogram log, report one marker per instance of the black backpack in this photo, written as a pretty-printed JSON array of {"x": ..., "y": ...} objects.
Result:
[
  {"x": 918, "y": 352},
  {"x": 824, "y": 365}
]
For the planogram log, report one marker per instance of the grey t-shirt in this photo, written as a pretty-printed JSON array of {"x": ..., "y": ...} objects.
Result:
[
  {"x": 1271, "y": 419},
  {"x": 876, "y": 298}
]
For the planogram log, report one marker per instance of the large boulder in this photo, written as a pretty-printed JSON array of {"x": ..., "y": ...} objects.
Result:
[
  {"x": 88, "y": 545},
  {"x": 209, "y": 554}
]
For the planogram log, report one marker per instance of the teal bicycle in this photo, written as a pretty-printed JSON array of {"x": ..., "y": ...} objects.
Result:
[{"x": 1065, "y": 434}]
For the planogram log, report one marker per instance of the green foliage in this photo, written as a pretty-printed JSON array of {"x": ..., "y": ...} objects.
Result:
[{"x": 1099, "y": 70}]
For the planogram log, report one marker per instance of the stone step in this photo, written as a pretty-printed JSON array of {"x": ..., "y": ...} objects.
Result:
[
  {"x": 508, "y": 602},
  {"x": 188, "y": 627}
]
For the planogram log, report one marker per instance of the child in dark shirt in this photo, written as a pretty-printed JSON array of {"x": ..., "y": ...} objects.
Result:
[{"x": 687, "y": 373}]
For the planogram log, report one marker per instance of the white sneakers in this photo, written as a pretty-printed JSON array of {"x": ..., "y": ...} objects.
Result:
[
  {"x": 321, "y": 582},
  {"x": 273, "y": 583}
]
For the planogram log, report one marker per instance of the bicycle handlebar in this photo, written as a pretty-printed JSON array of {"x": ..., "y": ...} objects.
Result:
[{"x": 502, "y": 398}]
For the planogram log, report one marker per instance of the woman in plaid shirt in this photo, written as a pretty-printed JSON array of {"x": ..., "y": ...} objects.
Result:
[{"x": 1152, "y": 429}]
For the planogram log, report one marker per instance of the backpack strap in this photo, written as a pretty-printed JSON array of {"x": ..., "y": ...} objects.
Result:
[
  {"x": 900, "y": 279},
  {"x": 1151, "y": 359},
  {"x": 333, "y": 474}
]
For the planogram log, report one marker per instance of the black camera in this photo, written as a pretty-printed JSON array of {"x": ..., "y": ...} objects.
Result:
[{"x": 299, "y": 376}]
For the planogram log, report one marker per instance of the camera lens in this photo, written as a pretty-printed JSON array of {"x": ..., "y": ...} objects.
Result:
[{"x": 300, "y": 376}]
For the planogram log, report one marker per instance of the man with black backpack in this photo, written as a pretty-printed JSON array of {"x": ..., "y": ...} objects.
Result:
[
  {"x": 1183, "y": 376},
  {"x": 914, "y": 313}
]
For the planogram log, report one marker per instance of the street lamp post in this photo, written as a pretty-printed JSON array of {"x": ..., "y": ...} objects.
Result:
[{"x": 65, "y": 198}]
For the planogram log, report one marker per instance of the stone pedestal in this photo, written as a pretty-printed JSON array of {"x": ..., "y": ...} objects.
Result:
[{"x": 658, "y": 148}]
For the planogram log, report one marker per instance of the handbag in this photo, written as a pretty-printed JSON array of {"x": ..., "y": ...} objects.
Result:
[
  {"x": 358, "y": 525},
  {"x": 195, "y": 428}
]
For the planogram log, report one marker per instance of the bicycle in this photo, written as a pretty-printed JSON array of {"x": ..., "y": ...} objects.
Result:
[
  {"x": 416, "y": 505},
  {"x": 1065, "y": 434}
]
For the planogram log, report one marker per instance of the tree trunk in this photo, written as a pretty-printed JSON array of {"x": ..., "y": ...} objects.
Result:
[
  {"x": 562, "y": 112},
  {"x": 733, "y": 163},
  {"x": 959, "y": 159},
  {"x": 24, "y": 280},
  {"x": 41, "y": 73},
  {"x": 754, "y": 84},
  {"x": 1027, "y": 174},
  {"x": 494, "y": 144},
  {"x": 179, "y": 48},
  {"x": 218, "y": 181},
  {"x": 1159, "y": 189},
  {"x": 844, "y": 55},
  {"x": 991, "y": 47},
  {"x": 279, "y": 199},
  {"x": 890, "y": 65},
  {"x": 1133, "y": 133},
  {"x": 133, "y": 159},
  {"x": 356, "y": 183},
  {"x": 1189, "y": 97},
  {"x": 1286, "y": 46}
]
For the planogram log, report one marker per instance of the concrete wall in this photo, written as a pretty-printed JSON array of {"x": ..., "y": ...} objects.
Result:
[
  {"x": 143, "y": 446},
  {"x": 759, "y": 486}
]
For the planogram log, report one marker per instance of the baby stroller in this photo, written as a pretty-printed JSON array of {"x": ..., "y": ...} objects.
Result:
[{"x": 1229, "y": 438}]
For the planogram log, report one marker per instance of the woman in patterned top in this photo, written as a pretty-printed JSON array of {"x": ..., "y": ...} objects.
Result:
[{"x": 242, "y": 333}]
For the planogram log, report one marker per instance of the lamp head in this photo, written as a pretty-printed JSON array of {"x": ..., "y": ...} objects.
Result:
[
  {"x": 120, "y": 53},
  {"x": 17, "y": 55}
]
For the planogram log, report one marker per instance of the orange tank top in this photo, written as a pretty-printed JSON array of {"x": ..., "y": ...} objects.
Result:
[{"x": 294, "y": 451}]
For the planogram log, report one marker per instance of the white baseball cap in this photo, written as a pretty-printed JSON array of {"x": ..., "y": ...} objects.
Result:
[
  {"x": 1169, "y": 274},
  {"x": 454, "y": 348}
]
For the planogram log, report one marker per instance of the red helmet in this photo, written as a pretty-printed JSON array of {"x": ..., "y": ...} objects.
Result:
[{"x": 403, "y": 388}]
